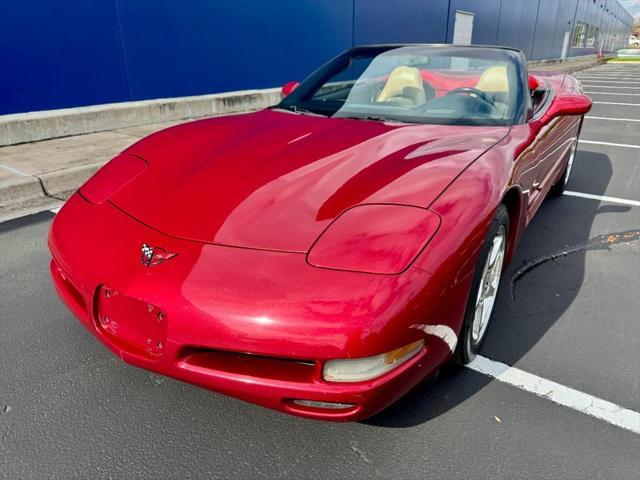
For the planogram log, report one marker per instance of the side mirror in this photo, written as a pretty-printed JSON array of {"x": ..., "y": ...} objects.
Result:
[
  {"x": 289, "y": 87},
  {"x": 567, "y": 104},
  {"x": 534, "y": 84}
]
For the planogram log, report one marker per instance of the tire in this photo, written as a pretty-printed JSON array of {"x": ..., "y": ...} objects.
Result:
[
  {"x": 486, "y": 277},
  {"x": 560, "y": 186}
]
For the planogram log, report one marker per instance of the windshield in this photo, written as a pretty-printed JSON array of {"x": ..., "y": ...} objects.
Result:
[{"x": 416, "y": 84}]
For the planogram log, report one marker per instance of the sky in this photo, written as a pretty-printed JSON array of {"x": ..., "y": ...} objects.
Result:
[{"x": 633, "y": 7}]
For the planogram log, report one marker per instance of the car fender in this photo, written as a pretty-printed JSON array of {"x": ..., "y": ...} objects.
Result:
[{"x": 467, "y": 207}]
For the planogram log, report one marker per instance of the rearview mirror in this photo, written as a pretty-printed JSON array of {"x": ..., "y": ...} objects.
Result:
[
  {"x": 289, "y": 87},
  {"x": 567, "y": 104}
]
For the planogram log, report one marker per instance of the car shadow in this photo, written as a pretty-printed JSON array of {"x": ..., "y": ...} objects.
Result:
[
  {"x": 528, "y": 303},
  {"x": 26, "y": 221}
]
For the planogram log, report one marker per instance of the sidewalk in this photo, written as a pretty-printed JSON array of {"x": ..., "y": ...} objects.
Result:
[{"x": 41, "y": 175}]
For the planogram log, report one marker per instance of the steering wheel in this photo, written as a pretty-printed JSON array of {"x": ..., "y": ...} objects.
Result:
[{"x": 471, "y": 91}]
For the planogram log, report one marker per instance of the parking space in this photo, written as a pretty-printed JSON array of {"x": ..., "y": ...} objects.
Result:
[
  {"x": 567, "y": 313},
  {"x": 606, "y": 170},
  {"x": 573, "y": 318},
  {"x": 613, "y": 97},
  {"x": 615, "y": 110},
  {"x": 620, "y": 132},
  {"x": 614, "y": 119}
]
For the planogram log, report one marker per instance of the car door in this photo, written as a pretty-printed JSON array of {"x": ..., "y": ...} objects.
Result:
[
  {"x": 529, "y": 165},
  {"x": 526, "y": 174},
  {"x": 558, "y": 138},
  {"x": 550, "y": 147}
]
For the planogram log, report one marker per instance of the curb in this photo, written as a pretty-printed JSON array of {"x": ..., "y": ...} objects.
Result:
[
  {"x": 57, "y": 185},
  {"x": 19, "y": 189},
  {"x": 62, "y": 183},
  {"x": 45, "y": 125},
  {"x": 568, "y": 60},
  {"x": 568, "y": 66}
]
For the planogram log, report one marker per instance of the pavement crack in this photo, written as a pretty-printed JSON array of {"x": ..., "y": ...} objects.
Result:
[
  {"x": 360, "y": 453},
  {"x": 45, "y": 191},
  {"x": 600, "y": 242}
]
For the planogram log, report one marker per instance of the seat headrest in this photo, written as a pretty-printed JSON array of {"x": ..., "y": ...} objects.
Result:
[
  {"x": 399, "y": 79},
  {"x": 494, "y": 80}
]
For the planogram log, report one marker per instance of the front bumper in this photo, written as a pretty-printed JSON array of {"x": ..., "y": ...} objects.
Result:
[{"x": 251, "y": 324}]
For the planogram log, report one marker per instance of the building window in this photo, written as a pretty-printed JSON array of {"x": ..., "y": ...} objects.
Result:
[
  {"x": 592, "y": 36},
  {"x": 580, "y": 34}
]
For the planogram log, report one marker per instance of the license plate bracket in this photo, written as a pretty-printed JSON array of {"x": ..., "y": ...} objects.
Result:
[{"x": 132, "y": 324}]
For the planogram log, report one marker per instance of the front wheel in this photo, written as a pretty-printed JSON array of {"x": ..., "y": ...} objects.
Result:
[{"x": 484, "y": 288}]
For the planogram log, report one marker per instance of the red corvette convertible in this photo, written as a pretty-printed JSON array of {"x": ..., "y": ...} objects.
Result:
[{"x": 322, "y": 256}]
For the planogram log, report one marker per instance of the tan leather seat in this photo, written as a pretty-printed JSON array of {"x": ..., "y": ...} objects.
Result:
[
  {"x": 495, "y": 82},
  {"x": 404, "y": 87}
]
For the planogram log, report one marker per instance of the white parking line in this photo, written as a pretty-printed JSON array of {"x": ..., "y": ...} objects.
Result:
[
  {"x": 610, "y": 86},
  {"x": 565, "y": 396},
  {"x": 613, "y": 119},
  {"x": 593, "y": 142},
  {"x": 612, "y": 77},
  {"x": 602, "y": 198},
  {"x": 616, "y": 93},
  {"x": 611, "y": 74},
  {"x": 621, "y": 71},
  {"x": 584, "y": 80},
  {"x": 626, "y": 81},
  {"x": 617, "y": 103},
  {"x": 14, "y": 170}
]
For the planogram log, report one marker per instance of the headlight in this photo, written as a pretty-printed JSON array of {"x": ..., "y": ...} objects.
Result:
[
  {"x": 375, "y": 238},
  {"x": 112, "y": 177},
  {"x": 360, "y": 369}
]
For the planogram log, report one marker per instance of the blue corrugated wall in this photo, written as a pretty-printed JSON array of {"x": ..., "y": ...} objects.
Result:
[{"x": 79, "y": 52}]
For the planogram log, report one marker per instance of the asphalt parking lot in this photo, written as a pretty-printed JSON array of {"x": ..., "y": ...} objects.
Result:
[{"x": 69, "y": 408}]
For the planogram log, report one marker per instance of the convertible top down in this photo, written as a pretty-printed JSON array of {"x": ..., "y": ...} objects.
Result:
[{"x": 322, "y": 256}]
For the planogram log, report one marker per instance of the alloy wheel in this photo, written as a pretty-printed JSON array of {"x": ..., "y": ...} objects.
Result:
[{"x": 488, "y": 288}]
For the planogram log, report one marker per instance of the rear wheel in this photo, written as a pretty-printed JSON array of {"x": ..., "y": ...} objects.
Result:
[
  {"x": 560, "y": 186},
  {"x": 484, "y": 288}
]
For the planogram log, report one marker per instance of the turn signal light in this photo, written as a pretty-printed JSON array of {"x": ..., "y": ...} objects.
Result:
[{"x": 360, "y": 369}]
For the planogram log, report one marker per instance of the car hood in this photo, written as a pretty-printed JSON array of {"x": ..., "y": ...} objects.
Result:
[{"x": 275, "y": 180}]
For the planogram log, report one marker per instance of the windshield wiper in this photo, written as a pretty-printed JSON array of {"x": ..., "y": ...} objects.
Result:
[
  {"x": 373, "y": 118},
  {"x": 298, "y": 110}
]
